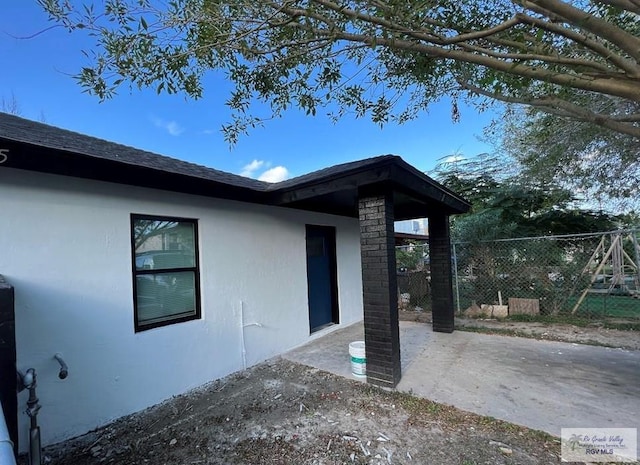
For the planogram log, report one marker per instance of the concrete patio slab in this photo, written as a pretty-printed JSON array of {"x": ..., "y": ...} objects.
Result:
[{"x": 543, "y": 385}]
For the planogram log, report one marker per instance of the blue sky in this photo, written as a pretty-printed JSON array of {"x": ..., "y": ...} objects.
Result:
[{"x": 38, "y": 73}]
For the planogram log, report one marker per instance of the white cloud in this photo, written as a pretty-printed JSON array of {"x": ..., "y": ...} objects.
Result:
[
  {"x": 275, "y": 174},
  {"x": 453, "y": 159},
  {"x": 250, "y": 169},
  {"x": 172, "y": 127}
]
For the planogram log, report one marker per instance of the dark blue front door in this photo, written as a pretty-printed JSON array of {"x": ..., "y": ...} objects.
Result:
[{"x": 321, "y": 276}]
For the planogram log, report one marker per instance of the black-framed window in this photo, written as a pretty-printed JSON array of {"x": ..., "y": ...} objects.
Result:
[{"x": 166, "y": 281}]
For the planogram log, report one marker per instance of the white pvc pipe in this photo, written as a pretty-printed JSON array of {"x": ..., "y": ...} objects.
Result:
[
  {"x": 244, "y": 348},
  {"x": 242, "y": 341},
  {"x": 6, "y": 445}
]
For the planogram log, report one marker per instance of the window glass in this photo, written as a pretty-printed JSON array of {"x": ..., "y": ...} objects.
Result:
[
  {"x": 163, "y": 244},
  {"x": 165, "y": 267}
]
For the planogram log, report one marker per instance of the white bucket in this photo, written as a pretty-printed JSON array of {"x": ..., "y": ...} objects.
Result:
[{"x": 358, "y": 358}]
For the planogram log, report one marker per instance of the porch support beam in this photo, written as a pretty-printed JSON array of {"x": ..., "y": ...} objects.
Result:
[
  {"x": 381, "y": 332},
  {"x": 441, "y": 282}
]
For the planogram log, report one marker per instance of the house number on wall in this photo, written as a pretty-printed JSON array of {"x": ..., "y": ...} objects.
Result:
[{"x": 4, "y": 155}]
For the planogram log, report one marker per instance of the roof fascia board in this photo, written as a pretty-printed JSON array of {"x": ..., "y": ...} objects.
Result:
[{"x": 417, "y": 184}]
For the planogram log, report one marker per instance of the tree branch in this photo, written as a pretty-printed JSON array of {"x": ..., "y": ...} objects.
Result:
[
  {"x": 627, "y": 65},
  {"x": 561, "y": 107},
  {"x": 633, "y": 6},
  {"x": 574, "y": 63},
  {"x": 480, "y": 34},
  {"x": 586, "y": 21},
  {"x": 603, "y": 51},
  {"x": 630, "y": 67},
  {"x": 611, "y": 85}
]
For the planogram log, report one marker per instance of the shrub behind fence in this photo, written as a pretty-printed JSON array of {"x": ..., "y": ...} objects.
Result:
[{"x": 595, "y": 276}]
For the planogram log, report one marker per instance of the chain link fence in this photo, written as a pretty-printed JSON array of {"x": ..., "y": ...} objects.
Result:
[
  {"x": 414, "y": 277},
  {"x": 582, "y": 276},
  {"x": 588, "y": 276}
]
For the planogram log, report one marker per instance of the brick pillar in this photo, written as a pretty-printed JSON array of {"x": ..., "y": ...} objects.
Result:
[
  {"x": 8, "y": 388},
  {"x": 381, "y": 332},
  {"x": 441, "y": 283}
]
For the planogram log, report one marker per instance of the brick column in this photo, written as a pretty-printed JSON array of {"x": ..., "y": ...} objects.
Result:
[
  {"x": 441, "y": 283},
  {"x": 8, "y": 388},
  {"x": 381, "y": 332}
]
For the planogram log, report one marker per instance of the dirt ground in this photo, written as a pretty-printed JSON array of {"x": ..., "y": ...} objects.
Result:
[
  {"x": 280, "y": 412},
  {"x": 284, "y": 413}
]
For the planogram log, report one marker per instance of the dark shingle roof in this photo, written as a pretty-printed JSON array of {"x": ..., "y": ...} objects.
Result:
[
  {"x": 335, "y": 171},
  {"x": 31, "y": 132},
  {"x": 40, "y": 147}
]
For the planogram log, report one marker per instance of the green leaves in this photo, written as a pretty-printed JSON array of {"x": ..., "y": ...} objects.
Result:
[
  {"x": 602, "y": 166},
  {"x": 387, "y": 60}
]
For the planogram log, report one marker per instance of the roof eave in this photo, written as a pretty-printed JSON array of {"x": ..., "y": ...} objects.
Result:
[
  {"x": 31, "y": 157},
  {"x": 42, "y": 148},
  {"x": 390, "y": 171},
  {"x": 355, "y": 178},
  {"x": 414, "y": 182}
]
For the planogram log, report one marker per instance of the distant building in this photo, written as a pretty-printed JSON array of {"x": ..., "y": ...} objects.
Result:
[{"x": 419, "y": 227}]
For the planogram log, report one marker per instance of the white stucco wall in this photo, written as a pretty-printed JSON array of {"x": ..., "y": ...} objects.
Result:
[{"x": 65, "y": 247}]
